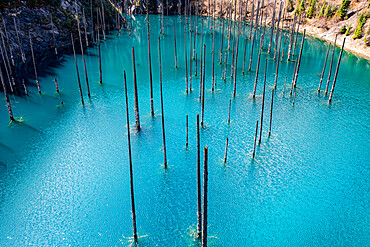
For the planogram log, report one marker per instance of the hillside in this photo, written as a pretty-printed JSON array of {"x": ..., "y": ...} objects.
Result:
[{"x": 322, "y": 19}]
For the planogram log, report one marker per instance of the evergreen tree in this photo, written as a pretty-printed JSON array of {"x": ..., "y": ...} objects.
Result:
[
  {"x": 300, "y": 7},
  {"x": 360, "y": 25},
  {"x": 342, "y": 12},
  {"x": 322, "y": 10},
  {"x": 343, "y": 30},
  {"x": 312, "y": 9},
  {"x": 328, "y": 12}
]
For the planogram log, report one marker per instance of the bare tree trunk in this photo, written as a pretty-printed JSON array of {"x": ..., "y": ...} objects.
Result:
[
  {"x": 130, "y": 163},
  {"x": 82, "y": 52},
  {"x": 199, "y": 194},
  {"x": 78, "y": 74},
  {"x": 263, "y": 102},
  {"x": 336, "y": 72},
  {"x": 150, "y": 67},
  {"x": 331, "y": 65},
  {"x": 272, "y": 26},
  {"x": 6, "y": 97},
  {"x": 162, "y": 111},
  {"x": 205, "y": 198},
  {"x": 137, "y": 118},
  {"x": 258, "y": 66},
  {"x": 323, "y": 70},
  {"x": 34, "y": 64}
]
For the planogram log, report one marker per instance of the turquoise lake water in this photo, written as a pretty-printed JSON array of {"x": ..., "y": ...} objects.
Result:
[{"x": 64, "y": 173}]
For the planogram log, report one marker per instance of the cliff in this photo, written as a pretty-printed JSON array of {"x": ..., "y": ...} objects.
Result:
[{"x": 48, "y": 24}]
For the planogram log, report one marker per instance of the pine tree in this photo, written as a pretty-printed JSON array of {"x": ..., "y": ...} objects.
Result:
[
  {"x": 360, "y": 25},
  {"x": 312, "y": 9},
  {"x": 328, "y": 12},
  {"x": 322, "y": 10},
  {"x": 342, "y": 12},
  {"x": 300, "y": 7}
]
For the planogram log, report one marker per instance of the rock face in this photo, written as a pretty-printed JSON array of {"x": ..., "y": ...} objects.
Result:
[
  {"x": 50, "y": 29},
  {"x": 50, "y": 26}
]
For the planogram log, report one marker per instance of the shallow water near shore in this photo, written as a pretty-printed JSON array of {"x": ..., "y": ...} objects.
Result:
[{"x": 64, "y": 173}]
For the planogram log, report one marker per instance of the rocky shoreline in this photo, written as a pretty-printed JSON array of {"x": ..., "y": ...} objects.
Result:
[
  {"x": 350, "y": 46},
  {"x": 328, "y": 30}
]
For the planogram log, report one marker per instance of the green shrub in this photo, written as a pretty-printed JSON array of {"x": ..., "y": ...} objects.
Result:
[
  {"x": 334, "y": 10},
  {"x": 312, "y": 9},
  {"x": 343, "y": 29},
  {"x": 348, "y": 32},
  {"x": 290, "y": 6}
]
